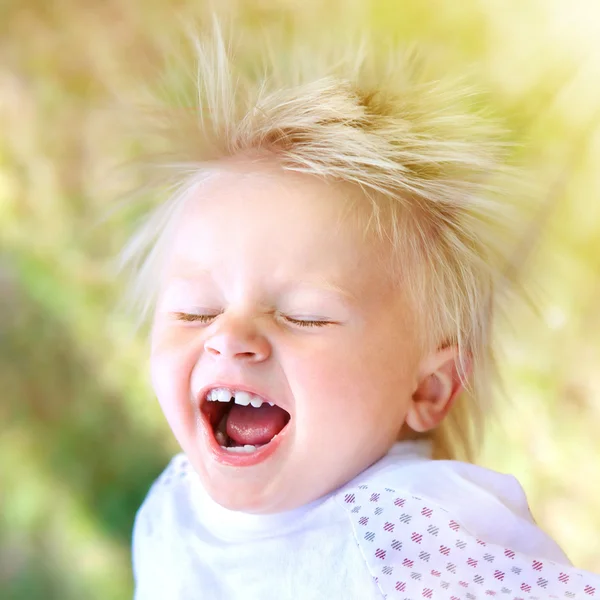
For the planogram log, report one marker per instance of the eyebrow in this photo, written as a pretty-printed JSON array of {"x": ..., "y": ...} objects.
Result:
[
  {"x": 323, "y": 285},
  {"x": 189, "y": 272}
]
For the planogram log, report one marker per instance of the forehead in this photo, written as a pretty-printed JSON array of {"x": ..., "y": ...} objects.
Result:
[
  {"x": 271, "y": 196},
  {"x": 279, "y": 219}
]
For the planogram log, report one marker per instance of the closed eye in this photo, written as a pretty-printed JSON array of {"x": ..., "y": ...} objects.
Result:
[
  {"x": 193, "y": 317},
  {"x": 307, "y": 322},
  {"x": 207, "y": 318}
]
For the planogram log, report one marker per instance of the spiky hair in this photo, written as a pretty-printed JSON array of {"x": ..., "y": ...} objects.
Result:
[{"x": 427, "y": 162}]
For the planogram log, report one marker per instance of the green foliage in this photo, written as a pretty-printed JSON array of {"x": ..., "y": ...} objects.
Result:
[{"x": 81, "y": 435}]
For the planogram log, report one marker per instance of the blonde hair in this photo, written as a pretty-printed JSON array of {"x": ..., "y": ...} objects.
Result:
[{"x": 427, "y": 162}]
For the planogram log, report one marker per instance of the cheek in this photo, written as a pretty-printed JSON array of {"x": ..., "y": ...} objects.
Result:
[
  {"x": 172, "y": 361},
  {"x": 349, "y": 381}
]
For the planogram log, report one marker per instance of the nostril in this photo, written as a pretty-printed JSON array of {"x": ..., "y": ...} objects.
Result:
[
  {"x": 244, "y": 348},
  {"x": 243, "y": 355}
]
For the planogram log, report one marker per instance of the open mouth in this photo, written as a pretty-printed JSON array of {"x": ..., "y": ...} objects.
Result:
[{"x": 242, "y": 422}]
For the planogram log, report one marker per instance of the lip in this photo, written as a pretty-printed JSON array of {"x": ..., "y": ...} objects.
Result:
[{"x": 233, "y": 459}]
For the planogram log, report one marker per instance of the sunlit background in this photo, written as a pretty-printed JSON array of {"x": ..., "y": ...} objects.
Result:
[{"x": 81, "y": 434}]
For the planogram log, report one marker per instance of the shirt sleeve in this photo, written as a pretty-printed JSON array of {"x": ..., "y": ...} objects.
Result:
[
  {"x": 142, "y": 555},
  {"x": 416, "y": 549},
  {"x": 151, "y": 551}
]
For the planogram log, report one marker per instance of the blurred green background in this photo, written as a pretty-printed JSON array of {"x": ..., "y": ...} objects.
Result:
[{"x": 81, "y": 434}]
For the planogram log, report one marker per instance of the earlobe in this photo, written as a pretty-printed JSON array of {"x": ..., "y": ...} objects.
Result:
[{"x": 440, "y": 382}]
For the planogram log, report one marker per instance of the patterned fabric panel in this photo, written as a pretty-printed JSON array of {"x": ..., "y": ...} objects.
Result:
[{"x": 416, "y": 550}]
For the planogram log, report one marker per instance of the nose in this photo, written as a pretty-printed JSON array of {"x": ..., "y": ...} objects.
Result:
[{"x": 239, "y": 340}]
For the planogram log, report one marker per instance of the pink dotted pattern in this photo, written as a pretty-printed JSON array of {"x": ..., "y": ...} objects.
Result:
[{"x": 415, "y": 550}]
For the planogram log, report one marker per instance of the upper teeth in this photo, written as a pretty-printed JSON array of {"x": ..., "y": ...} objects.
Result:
[{"x": 239, "y": 397}]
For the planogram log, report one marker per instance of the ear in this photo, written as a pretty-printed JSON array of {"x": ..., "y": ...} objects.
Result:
[{"x": 439, "y": 384}]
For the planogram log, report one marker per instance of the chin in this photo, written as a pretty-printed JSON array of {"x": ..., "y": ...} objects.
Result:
[{"x": 242, "y": 498}]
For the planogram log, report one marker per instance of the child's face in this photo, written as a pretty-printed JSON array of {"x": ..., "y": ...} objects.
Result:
[{"x": 269, "y": 290}]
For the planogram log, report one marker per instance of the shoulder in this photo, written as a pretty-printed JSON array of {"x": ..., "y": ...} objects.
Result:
[
  {"x": 417, "y": 540},
  {"x": 170, "y": 490},
  {"x": 163, "y": 513},
  {"x": 491, "y": 505}
]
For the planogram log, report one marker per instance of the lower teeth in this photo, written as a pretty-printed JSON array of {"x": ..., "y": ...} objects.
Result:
[{"x": 246, "y": 448}]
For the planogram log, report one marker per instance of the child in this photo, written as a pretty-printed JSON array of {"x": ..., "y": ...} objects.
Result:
[{"x": 322, "y": 288}]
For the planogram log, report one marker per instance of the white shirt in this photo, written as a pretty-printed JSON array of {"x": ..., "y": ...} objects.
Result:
[{"x": 407, "y": 528}]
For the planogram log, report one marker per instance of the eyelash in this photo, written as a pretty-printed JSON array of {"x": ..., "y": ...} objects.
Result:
[
  {"x": 301, "y": 323},
  {"x": 193, "y": 318}
]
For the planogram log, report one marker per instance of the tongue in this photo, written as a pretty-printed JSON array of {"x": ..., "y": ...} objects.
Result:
[{"x": 249, "y": 425}]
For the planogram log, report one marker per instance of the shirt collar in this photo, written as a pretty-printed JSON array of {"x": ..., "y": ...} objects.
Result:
[{"x": 230, "y": 526}]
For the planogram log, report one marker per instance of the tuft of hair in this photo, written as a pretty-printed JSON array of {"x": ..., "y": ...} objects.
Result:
[{"x": 430, "y": 164}]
